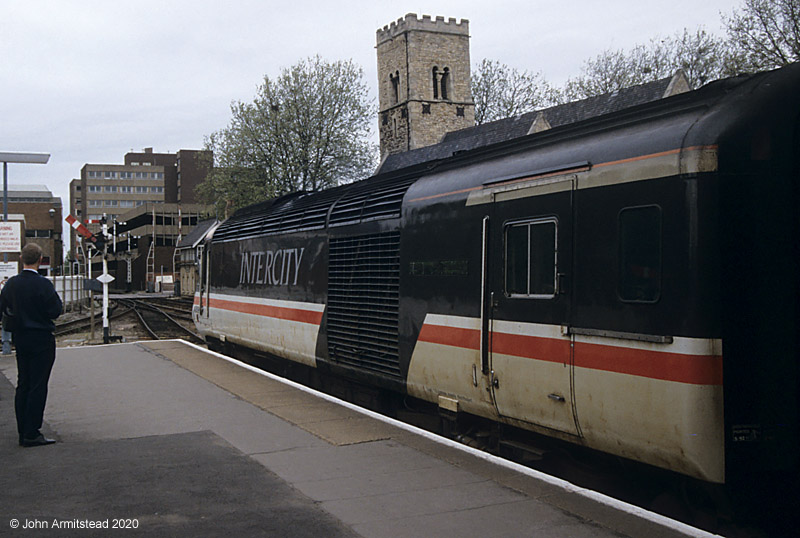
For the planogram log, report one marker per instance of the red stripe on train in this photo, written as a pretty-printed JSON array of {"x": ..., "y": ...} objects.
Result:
[
  {"x": 277, "y": 312},
  {"x": 678, "y": 367}
]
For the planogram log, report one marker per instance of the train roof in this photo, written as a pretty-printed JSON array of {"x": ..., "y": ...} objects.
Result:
[
  {"x": 537, "y": 121},
  {"x": 381, "y": 196}
]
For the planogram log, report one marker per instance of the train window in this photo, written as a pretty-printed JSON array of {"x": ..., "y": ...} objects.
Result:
[
  {"x": 640, "y": 254},
  {"x": 531, "y": 259}
]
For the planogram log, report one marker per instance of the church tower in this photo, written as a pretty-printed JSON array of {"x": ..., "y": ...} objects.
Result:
[{"x": 424, "y": 86}]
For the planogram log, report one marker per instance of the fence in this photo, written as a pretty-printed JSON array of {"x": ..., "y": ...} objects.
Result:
[{"x": 70, "y": 288}]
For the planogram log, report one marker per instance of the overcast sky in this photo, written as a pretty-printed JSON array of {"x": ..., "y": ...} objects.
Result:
[{"x": 87, "y": 81}]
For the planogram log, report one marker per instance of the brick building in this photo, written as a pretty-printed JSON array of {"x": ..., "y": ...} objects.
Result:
[
  {"x": 41, "y": 216},
  {"x": 144, "y": 178}
]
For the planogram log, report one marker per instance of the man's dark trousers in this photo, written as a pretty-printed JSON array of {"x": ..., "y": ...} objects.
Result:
[{"x": 36, "y": 353}]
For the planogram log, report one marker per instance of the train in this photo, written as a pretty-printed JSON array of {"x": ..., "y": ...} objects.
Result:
[{"x": 627, "y": 283}]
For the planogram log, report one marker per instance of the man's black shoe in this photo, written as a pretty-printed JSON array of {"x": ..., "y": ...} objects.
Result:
[{"x": 40, "y": 440}]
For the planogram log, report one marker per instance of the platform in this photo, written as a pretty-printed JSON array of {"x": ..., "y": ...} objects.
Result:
[{"x": 184, "y": 442}]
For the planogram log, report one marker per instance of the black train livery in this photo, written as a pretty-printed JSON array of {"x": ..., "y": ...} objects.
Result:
[{"x": 628, "y": 283}]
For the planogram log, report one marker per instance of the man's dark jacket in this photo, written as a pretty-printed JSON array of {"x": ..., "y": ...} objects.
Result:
[{"x": 33, "y": 300}]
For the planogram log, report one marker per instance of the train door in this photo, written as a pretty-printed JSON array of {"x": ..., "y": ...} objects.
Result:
[
  {"x": 203, "y": 276},
  {"x": 528, "y": 304}
]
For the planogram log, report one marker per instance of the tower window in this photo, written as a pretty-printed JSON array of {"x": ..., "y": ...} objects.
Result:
[
  {"x": 441, "y": 83},
  {"x": 426, "y": 108},
  {"x": 445, "y": 82},
  {"x": 395, "y": 80}
]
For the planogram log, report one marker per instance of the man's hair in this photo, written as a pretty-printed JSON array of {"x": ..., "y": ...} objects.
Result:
[{"x": 31, "y": 253}]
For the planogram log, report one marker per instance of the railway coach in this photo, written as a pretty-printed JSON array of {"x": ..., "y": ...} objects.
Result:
[{"x": 628, "y": 283}]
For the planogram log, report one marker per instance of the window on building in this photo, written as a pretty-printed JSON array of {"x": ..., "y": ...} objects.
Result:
[
  {"x": 640, "y": 254},
  {"x": 95, "y": 188},
  {"x": 126, "y": 203},
  {"x": 39, "y": 233},
  {"x": 95, "y": 203},
  {"x": 395, "y": 80},
  {"x": 110, "y": 188},
  {"x": 157, "y": 189},
  {"x": 141, "y": 175},
  {"x": 126, "y": 175},
  {"x": 112, "y": 203},
  {"x": 141, "y": 190},
  {"x": 157, "y": 175},
  {"x": 126, "y": 189},
  {"x": 441, "y": 83},
  {"x": 531, "y": 258}
]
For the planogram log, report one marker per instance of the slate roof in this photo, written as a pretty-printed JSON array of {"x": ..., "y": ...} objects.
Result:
[
  {"x": 196, "y": 234},
  {"x": 518, "y": 126}
]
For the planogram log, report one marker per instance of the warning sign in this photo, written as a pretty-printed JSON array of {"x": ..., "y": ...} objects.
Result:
[
  {"x": 7, "y": 270},
  {"x": 10, "y": 236}
]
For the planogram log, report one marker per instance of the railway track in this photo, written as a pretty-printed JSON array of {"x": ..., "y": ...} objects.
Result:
[
  {"x": 155, "y": 318},
  {"x": 178, "y": 308},
  {"x": 83, "y": 323},
  {"x": 160, "y": 324}
]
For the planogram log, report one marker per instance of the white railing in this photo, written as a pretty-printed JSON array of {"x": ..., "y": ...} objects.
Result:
[{"x": 70, "y": 288}]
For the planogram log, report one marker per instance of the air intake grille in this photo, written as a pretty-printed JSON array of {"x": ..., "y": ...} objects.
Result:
[{"x": 363, "y": 302}]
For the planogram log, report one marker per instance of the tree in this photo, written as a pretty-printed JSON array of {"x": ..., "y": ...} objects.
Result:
[
  {"x": 699, "y": 54},
  {"x": 307, "y": 130},
  {"x": 501, "y": 92},
  {"x": 764, "y": 35}
]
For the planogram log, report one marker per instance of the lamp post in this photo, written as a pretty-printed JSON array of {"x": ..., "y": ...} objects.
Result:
[{"x": 20, "y": 158}]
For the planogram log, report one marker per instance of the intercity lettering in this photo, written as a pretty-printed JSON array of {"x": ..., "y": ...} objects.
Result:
[{"x": 271, "y": 267}]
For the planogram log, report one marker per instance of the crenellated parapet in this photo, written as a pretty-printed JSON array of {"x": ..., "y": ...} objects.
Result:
[
  {"x": 423, "y": 81},
  {"x": 426, "y": 24}
]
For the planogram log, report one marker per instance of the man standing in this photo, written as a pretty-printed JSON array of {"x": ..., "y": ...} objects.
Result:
[{"x": 30, "y": 303}]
